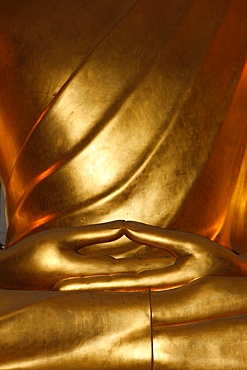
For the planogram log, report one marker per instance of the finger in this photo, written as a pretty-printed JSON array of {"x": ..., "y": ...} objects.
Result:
[
  {"x": 171, "y": 277},
  {"x": 177, "y": 243},
  {"x": 81, "y": 236}
]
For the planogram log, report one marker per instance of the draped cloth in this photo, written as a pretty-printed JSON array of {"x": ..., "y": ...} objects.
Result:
[{"x": 148, "y": 124}]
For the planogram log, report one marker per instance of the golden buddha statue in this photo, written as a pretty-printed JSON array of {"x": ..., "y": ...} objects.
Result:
[{"x": 123, "y": 110}]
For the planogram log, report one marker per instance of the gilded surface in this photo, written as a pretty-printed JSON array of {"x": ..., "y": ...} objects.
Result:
[{"x": 131, "y": 110}]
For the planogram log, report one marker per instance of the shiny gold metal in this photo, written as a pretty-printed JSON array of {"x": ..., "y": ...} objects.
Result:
[
  {"x": 196, "y": 257},
  {"x": 123, "y": 110},
  {"x": 53, "y": 330}
]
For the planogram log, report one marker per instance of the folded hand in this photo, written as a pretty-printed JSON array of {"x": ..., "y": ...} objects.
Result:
[{"x": 196, "y": 257}]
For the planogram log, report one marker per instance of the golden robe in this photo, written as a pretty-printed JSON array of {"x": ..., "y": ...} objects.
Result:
[{"x": 119, "y": 110}]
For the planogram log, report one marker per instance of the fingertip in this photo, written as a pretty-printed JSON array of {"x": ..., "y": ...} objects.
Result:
[
  {"x": 119, "y": 224},
  {"x": 133, "y": 225}
]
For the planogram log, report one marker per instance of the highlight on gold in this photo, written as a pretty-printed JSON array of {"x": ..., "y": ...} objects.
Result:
[{"x": 124, "y": 165}]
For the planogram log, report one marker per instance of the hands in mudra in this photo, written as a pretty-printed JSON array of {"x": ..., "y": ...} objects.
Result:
[{"x": 49, "y": 260}]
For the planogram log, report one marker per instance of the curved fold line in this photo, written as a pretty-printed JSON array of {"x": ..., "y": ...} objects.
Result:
[{"x": 141, "y": 165}]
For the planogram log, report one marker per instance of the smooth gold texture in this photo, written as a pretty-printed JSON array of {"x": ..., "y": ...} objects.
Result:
[
  {"x": 123, "y": 110},
  {"x": 103, "y": 330}
]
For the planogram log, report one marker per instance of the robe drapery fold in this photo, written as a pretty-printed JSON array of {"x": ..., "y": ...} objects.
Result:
[{"x": 148, "y": 124}]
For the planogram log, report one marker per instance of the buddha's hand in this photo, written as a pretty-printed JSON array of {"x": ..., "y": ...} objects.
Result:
[
  {"x": 41, "y": 260},
  {"x": 196, "y": 257}
]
